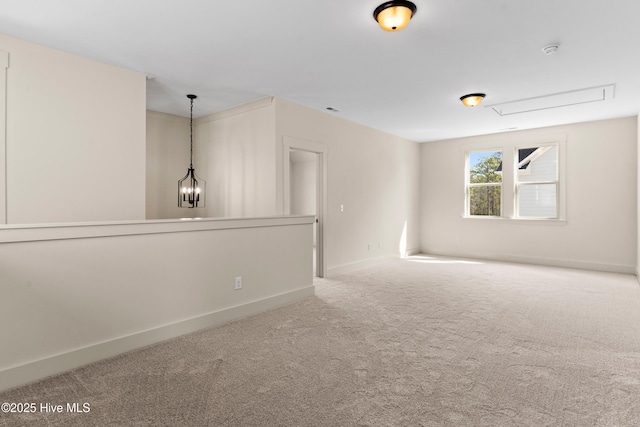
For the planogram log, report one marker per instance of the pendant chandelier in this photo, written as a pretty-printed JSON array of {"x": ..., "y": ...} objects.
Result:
[{"x": 191, "y": 188}]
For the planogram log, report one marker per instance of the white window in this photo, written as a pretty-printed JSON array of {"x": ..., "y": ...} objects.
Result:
[
  {"x": 484, "y": 183},
  {"x": 516, "y": 181},
  {"x": 536, "y": 182}
]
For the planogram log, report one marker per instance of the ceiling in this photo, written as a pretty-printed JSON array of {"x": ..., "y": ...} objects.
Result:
[{"x": 331, "y": 53}]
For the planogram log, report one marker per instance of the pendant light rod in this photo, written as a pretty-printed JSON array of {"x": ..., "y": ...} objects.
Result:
[{"x": 191, "y": 97}]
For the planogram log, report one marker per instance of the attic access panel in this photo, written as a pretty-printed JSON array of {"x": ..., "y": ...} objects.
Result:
[{"x": 564, "y": 99}]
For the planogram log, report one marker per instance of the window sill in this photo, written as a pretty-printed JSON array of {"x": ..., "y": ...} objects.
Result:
[{"x": 531, "y": 221}]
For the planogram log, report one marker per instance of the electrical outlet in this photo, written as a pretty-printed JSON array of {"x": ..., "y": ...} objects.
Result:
[{"x": 238, "y": 284}]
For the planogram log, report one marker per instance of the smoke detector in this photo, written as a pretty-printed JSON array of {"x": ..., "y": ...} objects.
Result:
[{"x": 550, "y": 49}]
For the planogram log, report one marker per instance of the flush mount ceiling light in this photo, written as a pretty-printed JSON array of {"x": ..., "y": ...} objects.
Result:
[
  {"x": 472, "y": 100},
  {"x": 394, "y": 15},
  {"x": 191, "y": 189}
]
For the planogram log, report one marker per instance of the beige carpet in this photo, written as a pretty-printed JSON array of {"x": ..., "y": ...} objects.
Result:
[{"x": 417, "y": 342}]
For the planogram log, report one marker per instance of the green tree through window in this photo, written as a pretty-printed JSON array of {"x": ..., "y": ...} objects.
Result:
[{"x": 485, "y": 183}]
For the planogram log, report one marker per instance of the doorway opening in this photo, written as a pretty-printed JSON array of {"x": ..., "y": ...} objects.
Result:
[
  {"x": 303, "y": 200},
  {"x": 305, "y": 190}
]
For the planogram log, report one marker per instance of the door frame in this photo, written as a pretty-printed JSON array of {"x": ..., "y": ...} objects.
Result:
[{"x": 295, "y": 144}]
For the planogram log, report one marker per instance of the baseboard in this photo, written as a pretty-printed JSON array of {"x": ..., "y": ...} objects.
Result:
[
  {"x": 359, "y": 265},
  {"x": 567, "y": 263},
  {"x": 552, "y": 262},
  {"x": 29, "y": 372}
]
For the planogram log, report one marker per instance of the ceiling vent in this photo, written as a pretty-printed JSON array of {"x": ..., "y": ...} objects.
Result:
[{"x": 564, "y": 99}]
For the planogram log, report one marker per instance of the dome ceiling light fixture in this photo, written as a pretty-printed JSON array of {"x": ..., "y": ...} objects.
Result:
[
  {"x": 472, "y": 100},
  {"x": 394, "y": 15}
]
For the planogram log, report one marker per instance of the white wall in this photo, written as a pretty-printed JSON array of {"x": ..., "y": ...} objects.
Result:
[
  {"x": 4, "y": 64},
  {"x": 234, "y": 153},
  {"x": 638, "y": 206},
  {"x": 75, "y": 137},
  {"x": 373, "y": 174},
  {"x": 239, "y": 153},
  {"x": 167, "y": 162},
  {"x": 102, "y": 289},
  {"x": 600, "y": 231}
]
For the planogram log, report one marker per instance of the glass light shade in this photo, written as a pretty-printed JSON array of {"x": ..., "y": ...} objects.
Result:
[
  {"x": 191, "y": 191},
  {"x": 394, "y": 15},
  {"x": 472, "y": 100},
  {"x": 394, "y": 18}
]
